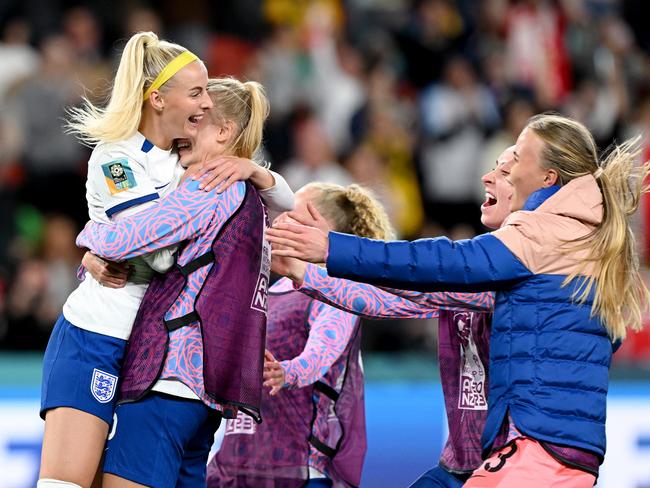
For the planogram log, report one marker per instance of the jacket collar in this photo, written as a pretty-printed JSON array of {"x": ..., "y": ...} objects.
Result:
[
  {"x": 579, "y": 199},
  {"x": 538, "y": 197}
]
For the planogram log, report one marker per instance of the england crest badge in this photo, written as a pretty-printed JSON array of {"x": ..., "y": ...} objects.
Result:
[{"x": 103, "y": 386}]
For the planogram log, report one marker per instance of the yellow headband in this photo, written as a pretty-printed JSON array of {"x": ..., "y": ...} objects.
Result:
[{"x": 174, "y": 66}]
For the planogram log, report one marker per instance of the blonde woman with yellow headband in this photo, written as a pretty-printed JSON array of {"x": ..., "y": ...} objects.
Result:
[{"x": 159, "y": 95}]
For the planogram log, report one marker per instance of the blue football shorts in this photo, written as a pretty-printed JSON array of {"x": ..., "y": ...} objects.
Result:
[
  {"x": 81, "y": 370},
  {"x": 161, "y": 441}
]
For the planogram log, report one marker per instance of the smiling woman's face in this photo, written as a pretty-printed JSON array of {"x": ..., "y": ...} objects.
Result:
[
  {"x": 203, "y": 146},
  {"x": 526, "y": 173},
  {"x": 186, "y": 101},
  {"x": 498, "y": 191}
]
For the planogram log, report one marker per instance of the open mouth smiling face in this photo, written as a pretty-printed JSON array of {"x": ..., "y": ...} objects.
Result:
[
  {"x": 498, "y": 191},
  {"x": 193, "y": 122}
]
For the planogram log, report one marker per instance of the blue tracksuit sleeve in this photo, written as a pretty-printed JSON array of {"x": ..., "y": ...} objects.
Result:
[{"x": 479, "y": 264}]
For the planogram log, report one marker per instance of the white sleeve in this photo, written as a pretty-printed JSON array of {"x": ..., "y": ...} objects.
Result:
[
  {"x": 124, "y": 188},
  {"x": 120, "y": 181},
  {"x": 161, "y": 260},
  {"x": 279, "y": 197}
]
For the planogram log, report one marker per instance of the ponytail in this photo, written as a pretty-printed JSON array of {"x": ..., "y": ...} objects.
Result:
[
  {"x": 353, "y": 210},
  {"x": 143, "y": 58},
  {"x": 246, "y": 105},
  {"x": 251, "y": 135},
  {"x": 621, "y": 294}
]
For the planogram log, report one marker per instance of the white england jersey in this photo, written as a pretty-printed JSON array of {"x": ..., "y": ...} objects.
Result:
[{"x": 121, "y": 177}]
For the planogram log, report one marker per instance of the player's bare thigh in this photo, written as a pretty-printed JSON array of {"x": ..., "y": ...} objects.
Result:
[{"x": 73, "y": 445}]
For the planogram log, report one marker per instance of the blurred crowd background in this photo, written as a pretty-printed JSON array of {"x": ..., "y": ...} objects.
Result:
[{"x": 412, "y": 98}]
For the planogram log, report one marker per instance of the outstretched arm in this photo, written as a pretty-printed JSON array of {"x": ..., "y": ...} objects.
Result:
[
  {"x": 480, "y": 264},
  {"x": 448, "y": 300},
  {"x": 376, "y": 303},
  {"x": 181, "y": 215}
]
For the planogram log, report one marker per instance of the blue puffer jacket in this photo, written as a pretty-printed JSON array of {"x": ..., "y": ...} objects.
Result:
[{"x": 549, "y": 359}]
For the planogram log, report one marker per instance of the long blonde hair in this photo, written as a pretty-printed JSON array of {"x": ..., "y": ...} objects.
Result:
[
  {"x": 245, "y": 104},
  {"x": 143, "y": 58},
  {"x": 352, "y": 209},
  {"x": 620, "y": 296}
]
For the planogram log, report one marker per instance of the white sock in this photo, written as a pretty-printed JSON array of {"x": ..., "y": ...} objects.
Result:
[{"x": 49, "y": 483}]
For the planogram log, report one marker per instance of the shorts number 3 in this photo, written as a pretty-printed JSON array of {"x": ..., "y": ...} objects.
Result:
[{"x": 502, "y": 459}]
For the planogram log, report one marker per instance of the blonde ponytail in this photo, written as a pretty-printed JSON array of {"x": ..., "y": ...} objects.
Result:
[
  {"x": 143, "y": 58},
  {"x": 620, "y": 294},
  {"x": 353, "y": 210},
  {"x": 246, "y": 105},
  {"x": 251, "y": 136}
]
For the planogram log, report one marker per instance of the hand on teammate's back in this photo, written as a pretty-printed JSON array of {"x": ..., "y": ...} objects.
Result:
[
  {"x": 108, "y": 273},
  {"x": 223, "y": 171}
]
